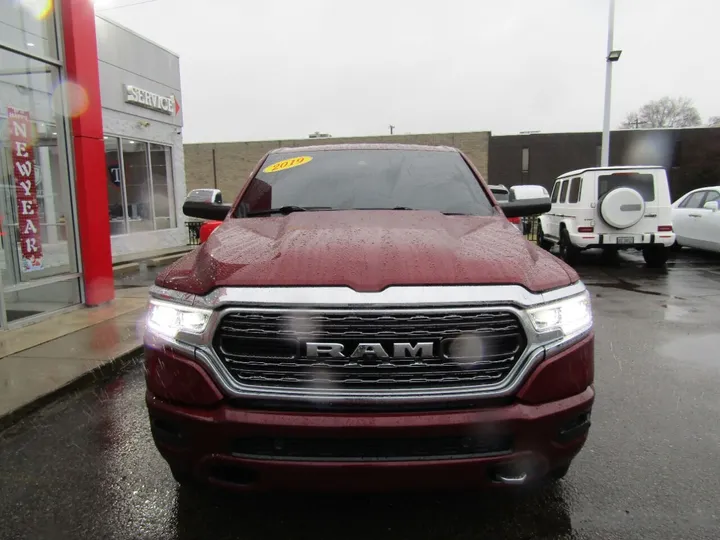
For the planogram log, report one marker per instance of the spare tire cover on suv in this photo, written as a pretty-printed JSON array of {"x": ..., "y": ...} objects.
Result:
[{"x": 622, "y": 207}]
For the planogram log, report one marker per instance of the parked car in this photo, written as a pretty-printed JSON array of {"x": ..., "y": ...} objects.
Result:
[
  {"x": 696, "y": 220},
  {"x": 526, "y": 192},
  {"x": 502, "y": 195},
  {"x": 612, "y": 208},
  {"x": 365, "y": 317},
  {"x": 207, "y": 195}
]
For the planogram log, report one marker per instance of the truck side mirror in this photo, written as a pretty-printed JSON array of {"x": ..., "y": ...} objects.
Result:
[{"x": 205, "y": 204}]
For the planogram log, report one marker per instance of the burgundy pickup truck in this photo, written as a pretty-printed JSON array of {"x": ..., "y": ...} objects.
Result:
[{"x": 365, "y": 318}]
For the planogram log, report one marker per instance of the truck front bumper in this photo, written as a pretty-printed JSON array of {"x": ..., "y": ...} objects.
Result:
[{"x": 513, "y": 443}]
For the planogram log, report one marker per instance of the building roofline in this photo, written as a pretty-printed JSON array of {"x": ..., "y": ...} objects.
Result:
[
  {"x": 136, "y": 34},
  {"x": 362, "y": 146}
]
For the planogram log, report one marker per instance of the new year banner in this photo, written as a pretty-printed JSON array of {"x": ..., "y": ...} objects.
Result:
[{"x": 23, "y": 160}]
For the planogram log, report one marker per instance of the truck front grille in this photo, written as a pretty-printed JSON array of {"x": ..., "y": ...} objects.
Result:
[{"x": 450, "y": 348}]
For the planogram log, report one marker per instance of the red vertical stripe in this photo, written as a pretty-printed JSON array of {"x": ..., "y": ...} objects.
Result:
[{"x": 81, "y": 61}]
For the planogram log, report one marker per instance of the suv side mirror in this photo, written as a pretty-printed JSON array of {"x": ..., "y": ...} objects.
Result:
[
  {"x": 526, "y": 201},
  {"x": 205, "y": 204},
  {"x": 712, "y": 205}
]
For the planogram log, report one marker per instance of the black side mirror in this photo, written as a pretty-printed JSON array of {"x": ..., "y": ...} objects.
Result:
[{"x": 205, "y": 204}]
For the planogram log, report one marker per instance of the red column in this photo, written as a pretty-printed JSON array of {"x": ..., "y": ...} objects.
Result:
[{"x": 81, "y": 62}]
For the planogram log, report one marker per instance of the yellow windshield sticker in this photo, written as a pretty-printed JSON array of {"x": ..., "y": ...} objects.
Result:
[{"x": 287, "y": 164}]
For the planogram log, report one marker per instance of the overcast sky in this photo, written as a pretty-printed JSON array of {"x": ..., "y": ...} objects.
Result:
[{"x": 270, "y": 69}]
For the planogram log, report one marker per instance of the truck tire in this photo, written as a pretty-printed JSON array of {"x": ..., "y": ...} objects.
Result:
[
  {"x": 656, "y": 256},
  {"x": 568, "y": 252},
  {"x": 621, "y": 208}
]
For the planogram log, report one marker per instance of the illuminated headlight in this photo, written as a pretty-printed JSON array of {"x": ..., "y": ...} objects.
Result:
[
  {"x": 570, "y": 316},
  {"x": 169, "y": 319}
]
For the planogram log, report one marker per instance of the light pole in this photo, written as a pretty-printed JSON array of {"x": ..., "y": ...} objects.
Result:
[{"x": 612, "y": 57}]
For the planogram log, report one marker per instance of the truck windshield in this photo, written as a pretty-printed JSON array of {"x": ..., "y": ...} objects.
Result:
[{"x": 367, "y": 179}]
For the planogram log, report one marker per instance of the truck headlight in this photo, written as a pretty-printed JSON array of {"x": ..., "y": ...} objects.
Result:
[
  {"x": 168, "y": 319},
  {"x": 570, "y": 315}
]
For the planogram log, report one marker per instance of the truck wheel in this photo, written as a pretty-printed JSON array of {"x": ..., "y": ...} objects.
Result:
[
  {"x": 656, "y": 256},
  {"x": 568, "y": 252},
  {"x": 540, "y": 238}
]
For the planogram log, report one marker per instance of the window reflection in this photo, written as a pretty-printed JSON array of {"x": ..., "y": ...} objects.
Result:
[
  {"x": 161, "y": 161},
  {"x": 116, "y": 199},
  {"x": 29, "y": 26},
  {"x": 137, "y": 186}
]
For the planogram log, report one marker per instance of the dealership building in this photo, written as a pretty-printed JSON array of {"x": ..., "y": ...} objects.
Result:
[{"x": 91, "y": 155}]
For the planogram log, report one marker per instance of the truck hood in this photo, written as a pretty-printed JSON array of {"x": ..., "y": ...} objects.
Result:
[{"x": 367, "y": 251}]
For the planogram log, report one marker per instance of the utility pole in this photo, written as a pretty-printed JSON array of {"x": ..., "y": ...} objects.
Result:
[
  {"x": 605, "y": 152},
  {"x": 637, "y": 122},
  {"x": 391, "y": 129}
]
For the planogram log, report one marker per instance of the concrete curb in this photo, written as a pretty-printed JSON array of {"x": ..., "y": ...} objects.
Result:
[
  {"x": 126, "y": 269},
  {"x": 101, "y": 374}
]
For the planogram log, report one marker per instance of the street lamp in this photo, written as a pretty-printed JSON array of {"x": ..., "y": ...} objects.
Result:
[{"x": 613, "y": 55}]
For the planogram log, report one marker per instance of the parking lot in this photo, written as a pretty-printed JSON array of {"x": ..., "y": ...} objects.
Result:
[{"x": 85, "y": 467}]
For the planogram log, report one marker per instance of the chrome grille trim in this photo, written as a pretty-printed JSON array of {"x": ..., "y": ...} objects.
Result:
[
  {"x": 243, "y": 338},
  {"x": 443, "y": 299}
]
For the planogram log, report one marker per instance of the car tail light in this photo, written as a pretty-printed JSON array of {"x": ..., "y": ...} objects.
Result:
[
  {"x": 515, "y": 220},
  {"x": 173, "y": 378},
  {"x": 586, "y": 229},
  {"x": 664, "y": 228}
]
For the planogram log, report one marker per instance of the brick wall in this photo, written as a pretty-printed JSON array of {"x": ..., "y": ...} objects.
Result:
[{"x": 226, "y": 166}]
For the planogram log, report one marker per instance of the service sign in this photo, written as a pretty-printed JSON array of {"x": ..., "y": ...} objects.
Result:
[
  {"x": 150, "y": 100},
  {"x": 23, "y": 161}
]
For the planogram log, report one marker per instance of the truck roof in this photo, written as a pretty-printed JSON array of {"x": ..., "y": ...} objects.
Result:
[
  {"x": 363, "y": 146},
  {"x": 619, "y": 168}
]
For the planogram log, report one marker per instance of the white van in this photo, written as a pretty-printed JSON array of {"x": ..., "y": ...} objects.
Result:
[{"x": 611, "y": 208}]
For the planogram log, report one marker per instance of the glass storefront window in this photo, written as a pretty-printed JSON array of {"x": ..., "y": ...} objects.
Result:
[
  {"x": 140, "y": 186},
  {"x": 36, "y": 204},
  {"x": 161, "y": 162},
  {"x": 137, "y": 186},
  {"x": 115, "y": 187},
  {"x": 29, "y": 25}
]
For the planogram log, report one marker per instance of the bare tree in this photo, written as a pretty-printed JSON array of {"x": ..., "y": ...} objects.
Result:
[
  {"x": 665, "y": 112},
  {"x": 714, "y": 121}
]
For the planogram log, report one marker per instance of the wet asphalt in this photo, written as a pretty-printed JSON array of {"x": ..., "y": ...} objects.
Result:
[{"x": 85, "y": 467}]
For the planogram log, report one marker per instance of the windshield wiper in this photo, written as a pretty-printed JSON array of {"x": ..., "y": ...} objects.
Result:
[{"x": 285, "y": 210}]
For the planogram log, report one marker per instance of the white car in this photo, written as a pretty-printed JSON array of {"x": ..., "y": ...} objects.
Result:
[
  {"x": 696, "y": 219},
  {"x": 612, "y": 208}
]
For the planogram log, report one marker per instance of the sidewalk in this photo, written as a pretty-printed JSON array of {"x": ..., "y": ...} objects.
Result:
[
  {"x": 43, "y": 360},
  {"x": 46, "y": 359}
]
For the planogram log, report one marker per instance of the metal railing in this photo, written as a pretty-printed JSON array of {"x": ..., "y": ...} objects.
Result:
[
  {"x": 193, "y": 228},
  {"x": 530, "y": 227}
]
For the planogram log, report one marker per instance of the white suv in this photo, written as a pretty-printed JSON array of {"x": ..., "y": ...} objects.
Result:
[{"x": 611, "y": 208}]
